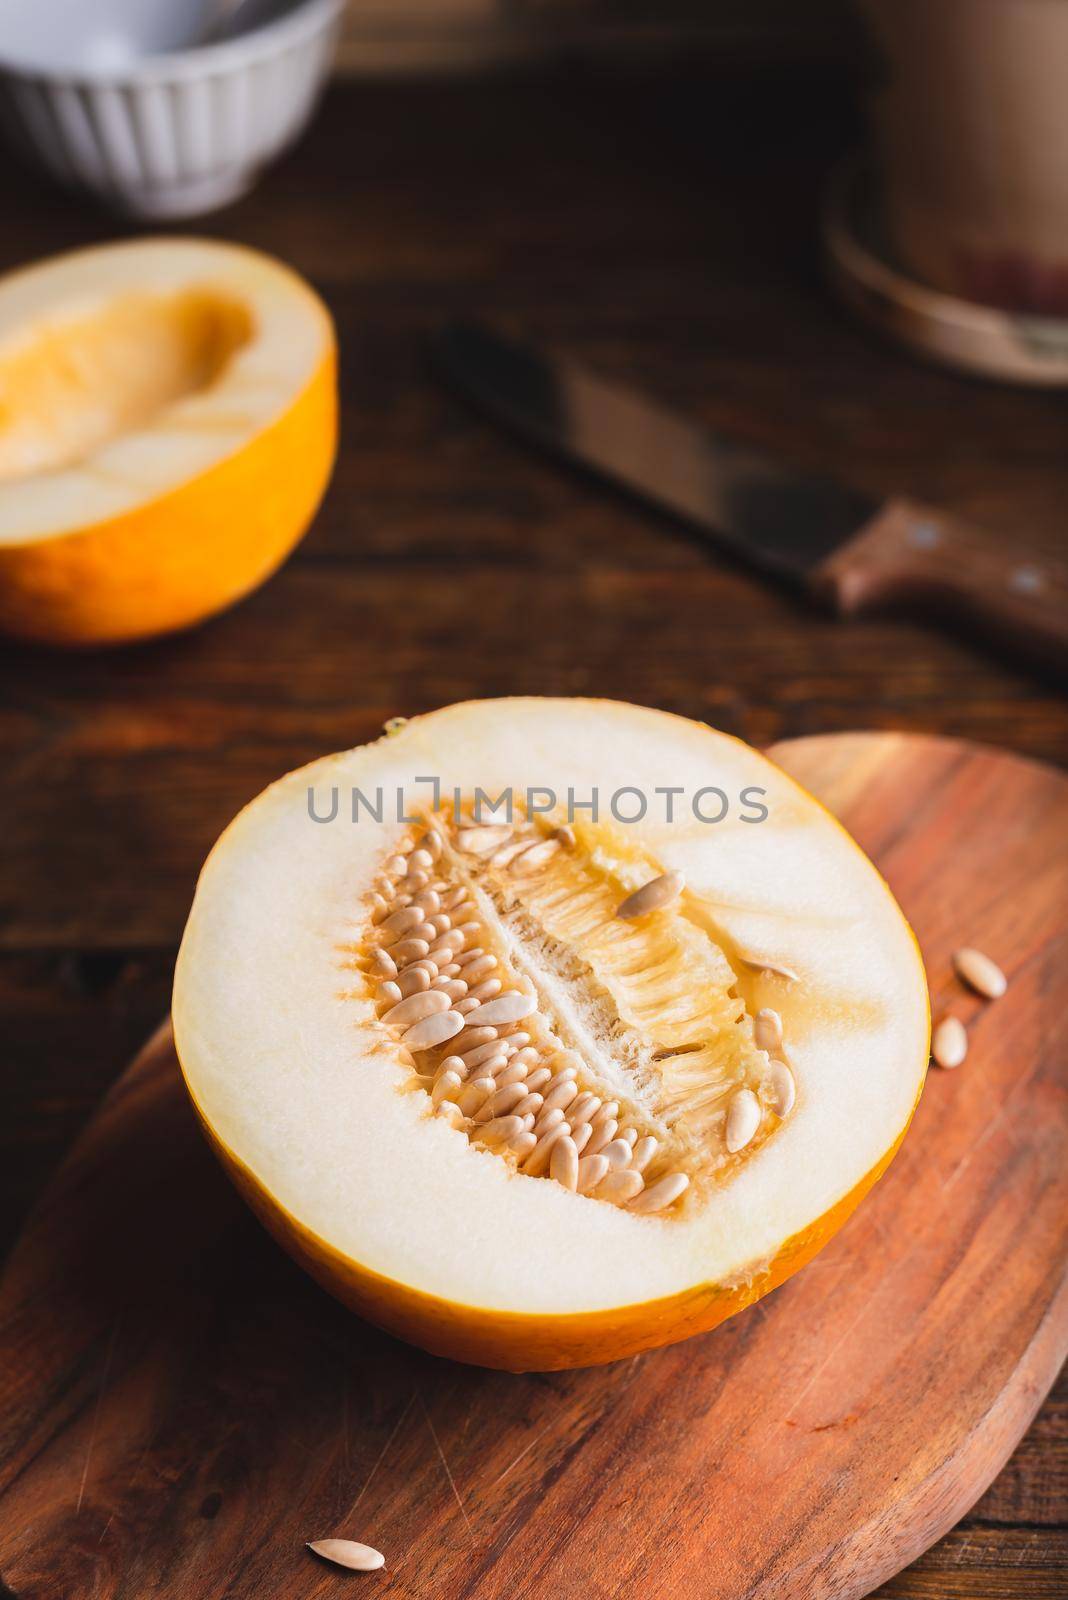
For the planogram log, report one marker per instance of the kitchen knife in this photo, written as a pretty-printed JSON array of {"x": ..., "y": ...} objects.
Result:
[{"x": 842, "y": 547}]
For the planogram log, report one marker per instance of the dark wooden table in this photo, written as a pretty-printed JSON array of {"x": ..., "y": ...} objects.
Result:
[{"x": 665, "y": 230}]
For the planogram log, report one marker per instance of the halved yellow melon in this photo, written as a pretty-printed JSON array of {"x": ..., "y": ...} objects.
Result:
[
  {"x": 543, "y": 1085},
  {"x": 168, "y": 417}
]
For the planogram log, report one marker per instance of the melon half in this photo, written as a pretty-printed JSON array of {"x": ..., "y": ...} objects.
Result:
[
  {"x": 533, "y": 1087},
  {"x": 168, "y": 417}
]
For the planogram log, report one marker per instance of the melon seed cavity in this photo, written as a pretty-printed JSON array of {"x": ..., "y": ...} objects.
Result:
[{"x": 584, "y": 1031}]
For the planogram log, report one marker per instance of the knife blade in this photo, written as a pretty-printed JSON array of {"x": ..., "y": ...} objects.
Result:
[{"x": 844, "y": 548}]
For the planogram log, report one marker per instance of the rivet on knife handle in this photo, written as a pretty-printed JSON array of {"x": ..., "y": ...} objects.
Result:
[{"x": 910, "y": 556}]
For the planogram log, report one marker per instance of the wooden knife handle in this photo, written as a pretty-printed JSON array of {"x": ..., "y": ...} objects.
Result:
[{"x": 910, "y": 558}]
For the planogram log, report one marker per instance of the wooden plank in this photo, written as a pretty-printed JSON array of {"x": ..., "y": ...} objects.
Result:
[{"x": 122, "y": 775}]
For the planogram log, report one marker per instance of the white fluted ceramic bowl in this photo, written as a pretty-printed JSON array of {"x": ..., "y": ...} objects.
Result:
[{"x": 118, "y": 108}]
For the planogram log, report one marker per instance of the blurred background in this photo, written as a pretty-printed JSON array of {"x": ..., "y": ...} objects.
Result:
[{"x": 745, "y": 209}]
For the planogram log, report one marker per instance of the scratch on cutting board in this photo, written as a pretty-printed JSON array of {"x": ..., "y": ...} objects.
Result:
[
  {"x": 381, "y": 1456},
  {"x": 825, "y": 1363},
  {"x": 445, "y": 1464},
  {"x": 995, "y": 1122},
  {"x": 525, "y": 1451},
  {"x": 105, "y": 1375}
]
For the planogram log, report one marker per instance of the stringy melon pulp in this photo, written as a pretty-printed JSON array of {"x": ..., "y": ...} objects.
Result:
[{"x": 406, "y": 1193}]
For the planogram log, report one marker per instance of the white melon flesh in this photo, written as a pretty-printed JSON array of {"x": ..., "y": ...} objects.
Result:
[
  {"x": 129, "y": 369},
  {"x": 315, "y": 1107}
]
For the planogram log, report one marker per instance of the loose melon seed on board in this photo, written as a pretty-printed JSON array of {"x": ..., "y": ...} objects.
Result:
[
  {"x": 980, "y": 973},
  {"x": 348, "y": 1553},
  {"x": 949, "y": 1042}
]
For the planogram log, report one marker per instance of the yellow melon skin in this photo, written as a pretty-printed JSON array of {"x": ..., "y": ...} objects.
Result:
[
  {"x": 193, "y": 551},
  {"x": 511, "y": 1342}
]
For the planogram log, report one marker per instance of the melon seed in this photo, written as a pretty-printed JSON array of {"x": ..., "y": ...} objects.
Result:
[
  {"x": 980, "y": 973},
  {"x": 486, "y": 990},
  {"x": 508, "y": 852},
  {"x": 475, "y": 1096},
  {"x": 500, "y": 1129},
  {"x": 561, "y": 1095},
  {"x": 652, "y": 896},
  {"x": 551, "y": 1118},
  {"x": 501, "y": 1102},
  {"x": 620, "y": 1186},
  {"x": 773, "y": 969},
  {"x": 583, "y": 1108},
  {"x": 530, "y": 1103},
  {"x": 409, "y": 950},
  {"x": 949, "y": 1042},
  {"x": 591, "y": 1169},
  {"x": 432, "y": 1030},
  {"x": 347, "y": 1552},
  {"x": 539, "y": 1157},
  {"x": 535, "y": 857},
  {"x": 603, "y": 1133},
  {"x": 643, "y": 1153},
  {"x": 563, "y": 1163},
  {"x": 783, "y": 1089},
  {"x": 616, "y": 1153},
  {"x": 474, "y": 963},
  {"x": 417, "y": 1006},
  {"x": 480, "y": 841},
  {"x": 511, "y": 1007},
  {"x": 767, "y": 1030},
  {"x": 475, "y": 1054},
  {"x": 743, "y": 1120},
  {"x": 662, "y": 1193},
  {"x": 399, "y": 922},
  {"x": 581, "y": 1136},
  {"x": 445, "y": 1087}
]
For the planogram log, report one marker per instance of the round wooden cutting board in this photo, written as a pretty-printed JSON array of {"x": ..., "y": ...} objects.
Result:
[{"x": 181, "y": 1409}]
